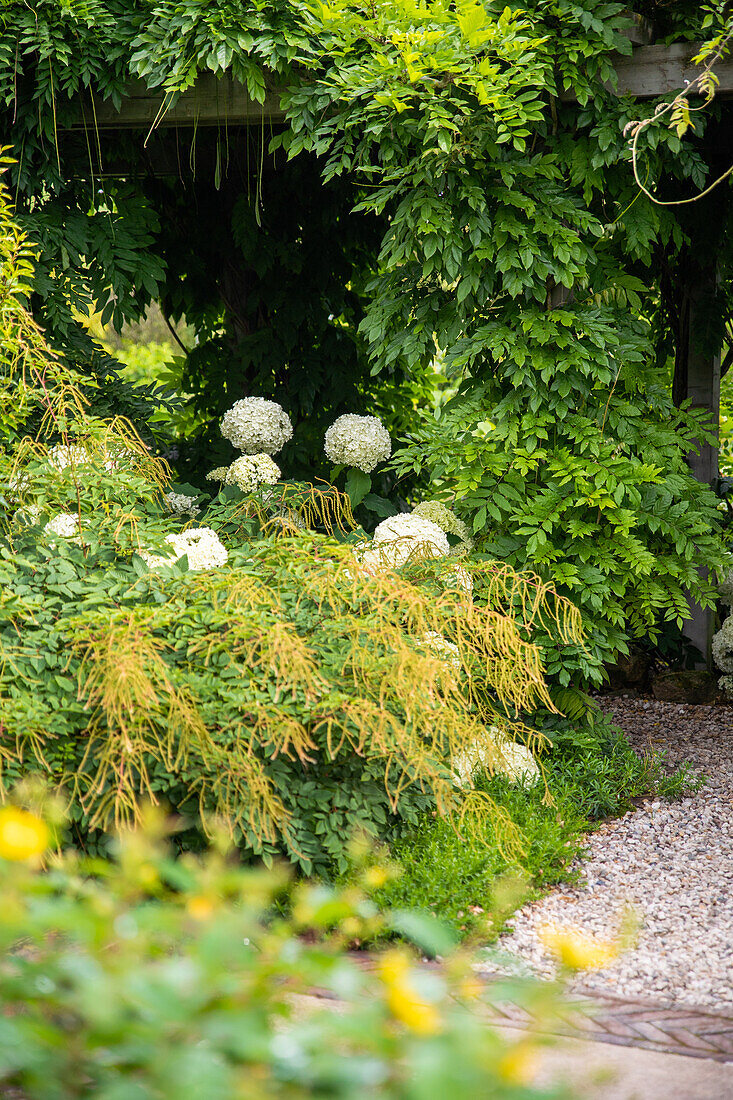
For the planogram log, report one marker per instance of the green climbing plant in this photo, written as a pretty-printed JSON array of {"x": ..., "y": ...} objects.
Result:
[{"x": 472, "y": 175}]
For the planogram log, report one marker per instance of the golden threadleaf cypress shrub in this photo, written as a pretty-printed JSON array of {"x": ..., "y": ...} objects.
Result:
[{"x": 286, "y": 694}]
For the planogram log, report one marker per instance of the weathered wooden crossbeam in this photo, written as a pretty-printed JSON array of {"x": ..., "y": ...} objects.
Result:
[
  {"x": 651, "y": 71},
  {"x": 211, "y": 101},
  {"x": 648, "y": 72}
]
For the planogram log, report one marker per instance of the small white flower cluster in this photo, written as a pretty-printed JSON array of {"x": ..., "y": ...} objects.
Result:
[
  {"x": 360, "y": 441},
  {"x": 219, "y": 473},
  {"x": 255, "y": 425},
  {"x": 437, "y": 512},
  {"x": 65, "y": 524},
  {"x": 62, "y": 456},
  {"x": 181, "y": 504},
  {"x": 28, "y": 516},
  {"x": 723, "y": 649},
  {"x": 201, "y": 545},
  {"x": 250, "y": 471},
  {"x": 504, "y": 757}
]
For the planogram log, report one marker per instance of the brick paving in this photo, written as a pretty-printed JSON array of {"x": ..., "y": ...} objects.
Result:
[
  {"x": 668, "y": 1029},
  {"x": 621, "y": 1021}
]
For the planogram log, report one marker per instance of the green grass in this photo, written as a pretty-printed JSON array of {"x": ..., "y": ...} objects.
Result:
[{"x": 474, "y": 889}]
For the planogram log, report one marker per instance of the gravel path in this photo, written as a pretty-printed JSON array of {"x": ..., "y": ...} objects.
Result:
[{"x": 671, "y": 862}]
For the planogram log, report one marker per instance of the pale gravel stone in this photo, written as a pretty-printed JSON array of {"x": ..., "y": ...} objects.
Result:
[{"x": 671, "y": 863}]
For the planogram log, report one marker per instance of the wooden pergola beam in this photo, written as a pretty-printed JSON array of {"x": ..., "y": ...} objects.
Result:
[
  {"x": 211, "y": 101},
  {"x": 651, "y": 71},
  {"x": 648, "y": 72}
]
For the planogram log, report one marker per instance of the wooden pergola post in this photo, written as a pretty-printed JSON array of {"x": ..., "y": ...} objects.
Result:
[
  {"x": 698, "y": 325},
  {"x": 701, "y": 384}
]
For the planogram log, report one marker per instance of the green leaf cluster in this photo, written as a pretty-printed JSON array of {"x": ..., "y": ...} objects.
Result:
[{"x": 152, "y": 977}]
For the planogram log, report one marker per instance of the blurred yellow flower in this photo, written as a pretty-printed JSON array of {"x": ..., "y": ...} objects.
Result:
[
  {"x": 403, "y": 1000},
  {"x": 577, "y": 951},
  {"x": 519, "y": 1065},
  {"x": 350, "y": 926},
  {"x": 147, "y": 874},
  {"x": 413, "y": 1011},
  {"x": 375, "y": 877},
  {"x": 200, "y": 907},
  {"x": 393, "y": 966},
  {"x": 23, "y": 836}
]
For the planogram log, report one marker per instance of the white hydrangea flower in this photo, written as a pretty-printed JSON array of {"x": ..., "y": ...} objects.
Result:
[
  {"x": 255, "y": 425},
  {"x": 29, "y": 515},
  {"x": 403, "y": 538},
  {"x": 407, "y": 525},
  {"x": 65, "y": 524},
  {"x": 250, "y": 471},
  {"x": 438, "y": 513},
  {"x": 60, "y": 456},
  {"x": 180, "y": 504},
  {"x": 201, "y": 545},
  {"x": 505, "y": 757},
  {"x": 217, "y": 474},
  {"x": 723, "y": 646},
  {"x": 726, "y": 589},
  {"x": 360, "y": 441}
]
